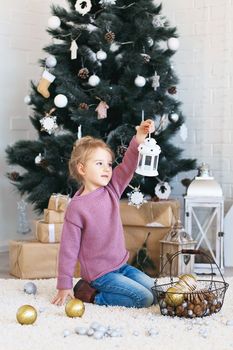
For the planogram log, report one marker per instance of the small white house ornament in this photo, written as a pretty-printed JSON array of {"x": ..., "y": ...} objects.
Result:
[{"x": 148, "y": 158}]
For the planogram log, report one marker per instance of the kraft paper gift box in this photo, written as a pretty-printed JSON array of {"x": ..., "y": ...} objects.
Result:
[
  {"x": 145, "y": 227},
  {"x": 32, "y": 259},
  {"x": 53, "y": 216},
  {"x": 48, "y": 233},
  {"x": 58, "y": 202},
  {"x": 150, "y": 214}
]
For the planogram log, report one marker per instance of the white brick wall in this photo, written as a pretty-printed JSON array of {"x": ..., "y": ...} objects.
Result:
[
  {"x": 22, "y": 37},
  {"x": 203, "y": 64}
]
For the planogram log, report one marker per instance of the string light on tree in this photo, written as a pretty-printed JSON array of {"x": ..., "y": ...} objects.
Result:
[
  {"x": 107, "y": 2},
  {"x": 54, "y": 22}
]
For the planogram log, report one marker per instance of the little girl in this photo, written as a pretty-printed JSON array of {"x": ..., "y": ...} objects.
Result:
[{"x": 93, "y": 233}]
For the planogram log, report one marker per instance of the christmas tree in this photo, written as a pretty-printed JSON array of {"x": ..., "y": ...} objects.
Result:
[{"x": 108, "y": 64}]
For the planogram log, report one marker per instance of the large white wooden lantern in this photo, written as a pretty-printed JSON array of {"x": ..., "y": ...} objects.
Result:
[
  {"x": 204, "y": 211},
  {"x": 148, "y": 158}
]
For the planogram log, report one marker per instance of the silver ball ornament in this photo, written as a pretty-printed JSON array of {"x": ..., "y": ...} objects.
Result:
[
  {"x": 173, "y": 117},
  {"x": 30, "y": 288},
  {"x": 140, "y": 81},
  {"x": 150, "y": 42},
  {"x": 173, "y": 44},
  {"x": 94, "y": 80},
  {"x": 54, "y": 22},
  {"x": 60, "y": 101},
  {"x": 51, "y": 61},
  {"x": 101, "y": 55},
  {"x": 27, "y": 99}
]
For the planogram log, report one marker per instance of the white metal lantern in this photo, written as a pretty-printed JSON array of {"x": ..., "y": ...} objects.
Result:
[
  {"x": 148, "y": 158},
  {"x": 204, "y": 212}
]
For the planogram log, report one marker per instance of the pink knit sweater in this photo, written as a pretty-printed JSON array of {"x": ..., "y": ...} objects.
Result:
[{"x": 92, "y": 231}]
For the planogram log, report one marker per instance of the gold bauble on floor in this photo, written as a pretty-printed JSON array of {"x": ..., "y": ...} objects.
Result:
[
  {"x": 26, "y": 314},
  {"x": 75, "y": 308}
]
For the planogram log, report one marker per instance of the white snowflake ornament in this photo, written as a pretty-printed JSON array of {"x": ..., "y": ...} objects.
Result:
[
  {"x": 136, "y": 198},
  {"x": 155, "y": 81},
  {"x": 163, "y": 190},
  {"x": 49, "y": 124},
  {"x": 83, "y": 6},
  {"x": 158, "y": 21},
  {"x": 107, "y": 2}
]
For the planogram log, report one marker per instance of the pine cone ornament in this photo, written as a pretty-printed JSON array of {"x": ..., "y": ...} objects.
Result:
[
  {"x": 146, "y": 58},
  {"x": 13, "y": 176},
  {"x": 83, "y": 106},
  {"x": 44, "y": 163},
  {"x": 83, "y": 73},
  {"x": 172, "y": 90},
  {"x": 121, "y": 150},
  {"x": 109, "y": 37}
]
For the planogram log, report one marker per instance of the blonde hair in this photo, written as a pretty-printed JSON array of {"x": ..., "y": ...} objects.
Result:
[{"x": 82, "y": 150}]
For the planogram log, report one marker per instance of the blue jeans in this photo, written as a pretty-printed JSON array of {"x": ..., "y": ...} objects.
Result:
[{"x": 126, "y": 286}]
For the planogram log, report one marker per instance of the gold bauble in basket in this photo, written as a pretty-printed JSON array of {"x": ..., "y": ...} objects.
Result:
[
  {"x": 174, "y": 297},
  {"x": 187, "y": 282}
]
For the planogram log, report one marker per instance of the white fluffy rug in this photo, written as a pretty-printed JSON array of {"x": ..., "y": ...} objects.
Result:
[{"x": 214, "y": 332}]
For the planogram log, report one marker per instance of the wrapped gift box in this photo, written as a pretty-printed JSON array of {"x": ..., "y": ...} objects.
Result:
[
  {"x": 32, "y": 259},
  {"x": 143, "y": 230},
  {"x": 48, "y": 233},
  {"x": 150, "y": 214},
  {"x": 58, "y": 202},
  {"x": 53, "y": 216}
]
